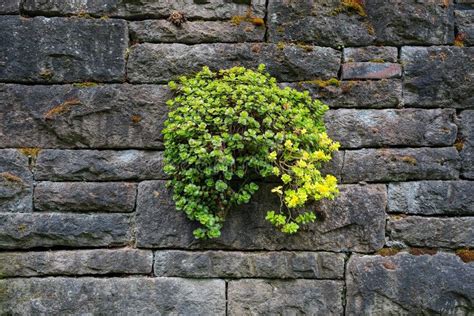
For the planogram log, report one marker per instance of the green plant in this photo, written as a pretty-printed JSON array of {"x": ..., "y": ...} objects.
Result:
[{"x": 226, "y": 127}]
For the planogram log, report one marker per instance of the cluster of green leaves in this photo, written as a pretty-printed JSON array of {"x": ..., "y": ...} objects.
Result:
[{"x": 227, "y": 127}]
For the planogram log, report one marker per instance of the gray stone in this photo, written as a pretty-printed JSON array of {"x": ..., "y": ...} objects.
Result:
[
  {"x": 76, "y": 262},
  {"x": 99, "y": 165},
  {"x": 432, "y": 197},
  {"x": 354, "y": 221},
  {"x": 438, "y": 76},
  {"x": 16, "y": 182},
  {"x": 151, "y": 63},
  {"x": 193, "y": 9},
  {"x": 466, "y": 143},
  {"x": 371, "y": 70},
  {"x": 465, "y": 26},
  {"x": 113, "y": 296},
  {"x": 371, "y": 54},
  {"x": 377, "y": 128},
  {"x": 68, "y": 116},
  {"x": 85, "y": 196},
  {"x": 409, "y": 285},
  {"x": 334, "y": 166},
  {"x": 22, "y": 231},
  {"x": 195, "y": 32},
  {"x": 274, "y": 297},
  {"x": 69, "y": 50},
  {"x": 444, "y": 232},
  {"x": 9, "y": 7},
  {"x": 402, "y": 164},
  {"x": 221, "y": 264}
]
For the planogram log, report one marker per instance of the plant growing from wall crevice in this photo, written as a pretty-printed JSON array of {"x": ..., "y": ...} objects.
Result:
[{"x": 226, "y": 127}]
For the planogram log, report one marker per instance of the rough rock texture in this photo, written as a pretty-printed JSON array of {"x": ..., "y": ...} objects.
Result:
[
  {"x": 125, "y": 296},
  {"x": 371, "y": 70},
  {"x": 432, "y": 197},
  {"x": 355, "y": 222},
  {"x": 375, "y": 165},
  {"x": 370, "y": 54},
  {"x": 9, "y": 6},
  {"x": 76, "y": 262},
  {"x": 466, "y": 143},
  {"x": 409, "y": 285},
  {"x": 70, "y": 50},
  {"x": 154, "y": 63},
  {"x": 22, "y": 231},
  {"x": 438, "y": 76},
  {"x": 68, "y": 116},
  {"x": 85, "y": 196},
  {"x": 305, "y": 297},
  {"x": 432, "y": 232},
  {"x": 376, "y": 128},
  {"x": 465, "y": 26},
  {"x": 99, "y": 165},
  {"x": 283, "y": 265}
]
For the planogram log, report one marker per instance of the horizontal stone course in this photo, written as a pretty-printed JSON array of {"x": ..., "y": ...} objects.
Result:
[
  {"x": 76, "y": 262},
  {"x": 370, "y": 54},
  {"x": 157, "y": 63},
  {"x": 465, "y": 142},
  {"x": 465, "y": 26},
  {"x": 23, "y": 231},
  {"x": 404, "y": 127},
  {"x": 70, "y": 50},
  {"x": 117, "y": 296},
  {"x": 221, "y": 264},
  {"x": 68, "y": 116},
  {"x": 85, "y": 196},
  {"x": 371, "y": 70},
  {"x": 409, "y": 285}
]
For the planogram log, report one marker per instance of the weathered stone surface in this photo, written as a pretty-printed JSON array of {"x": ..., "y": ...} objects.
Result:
[
  {"x": 66, "y": 116},
  {"x": 16, "y": 182},
  {"x": 438, "y": 76},
  {"x": 465, "y": 26},
  {"x": 193, "y": 9},
  {"x": 114, "y": 296},
  {"x": 400, "y": 164},
  {"x": 354, "y": 221},
  {"x": 377, "y": 128},
  {"x": 69, "y": 50},
  {"x": 76, "y": 262},
  {"x": 22, "y": 231},
  {"x": 334, "y": 166},
  {"x": 273, "y": 297},
  {"x": 432, "y": 197},
  {"x": 151, "y": 63},
  {"x": 9, "y": 6},
  {"x": 195, "y": 32},
  {"x": 445, "y": 232},
  {"x": 371, "y": 70},
  {"x": 99, "y": 165},
  {"x": 221, "y": 264},
  {"x": 466, "y": 143},
  {"x": 85, "y": 196},
  {"x": 377, "y": 94},
  {"x": 409, "y": 285},
  {"x": 370, "y": 54}
]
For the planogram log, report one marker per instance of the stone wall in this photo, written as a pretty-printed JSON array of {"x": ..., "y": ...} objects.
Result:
[{"x": 86, "y": 222}]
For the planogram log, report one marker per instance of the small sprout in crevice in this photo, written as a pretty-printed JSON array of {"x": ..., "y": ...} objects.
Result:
[
  {"x": 177, "y": 18},
  {"x": 104, "y": 17},
  {"x": 459, "y": 39},
  {"x": 46, "y": 74},
  {"x": 306, "y": 47},
  {"x": 466, "y": 255},
  {"x": 324, "y": 83},
  {"x": 355, "y": 5},
  {"x": 422, "y": 251},
  {"x": 61, "y": 108},
  {"x": 83, "y": 15},
  {"x": 377, "y": 60},
  {"x": 459, "y": 143},
  {"x": 385, "y": 252},
  {"x": 281, "y": 45},
  {"x": 249, "y": 17},
  {"x": 136, "y": 118},
  {"x": 31, "y": 153}
]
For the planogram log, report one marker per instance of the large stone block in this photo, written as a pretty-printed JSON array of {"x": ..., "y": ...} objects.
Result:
[
  {"x": 404, "y": 127},
  {"x": 438, "y": 76},
  {"x": 69, "y": 50},
  {"x": 99, "y": 165},
  {"x": 16, "y": 182},
  {"x": 444, "y": 232},
  {"x": 195, "y": 32},
  {"x": 67, "y": 116},
  {"x": 193, "y": 9},
  {"x": 274, "y": 297},
  {"x": 465, "y": 26},
  {"x": 371, "y": 70},
  {"x": 112, "y": 296},
  {"x": 354, "y": 221},
  {"x": 371, "y": 54},
  {"x": 22, "y": 231},
  {"x": 374, "y": 165},
  {"x": 151, "y": 63},
  {"x": 85, "y": 196},
  {"x": 409, "y": 285},
  {"x": 10, "y": 7},
  {"x": 223, "y": 264},
  {"x": 466, "y": 143},
  {"x": 432, "y": 197},
  {"x": 76, "y": 262}
]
